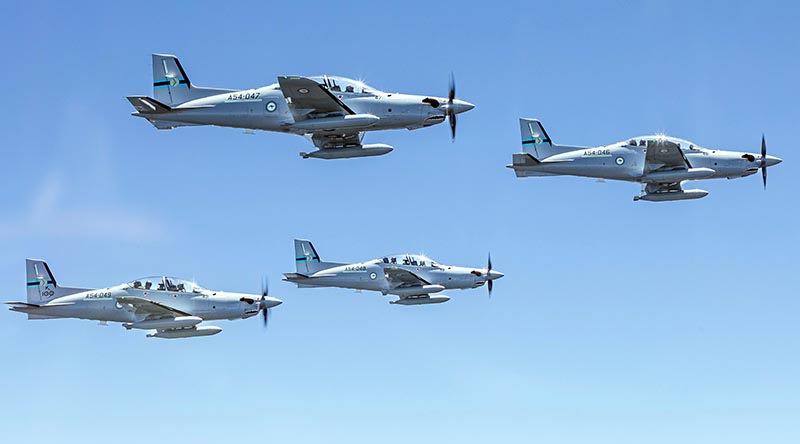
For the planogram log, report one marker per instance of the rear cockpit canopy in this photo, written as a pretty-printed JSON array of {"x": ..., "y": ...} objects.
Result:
[
  {"x": 643, "y": 140},
  {"x": 414, "y": 260},
  {"x": 345, "y": 85},
  {"x": 166, "y": 283}
]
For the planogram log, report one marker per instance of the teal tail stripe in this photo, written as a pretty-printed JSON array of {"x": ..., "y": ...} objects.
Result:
[
  {"x": 301, "y": 258},
  {"x": 530, "y": 141},
  {"x": 34, "y": 283}
]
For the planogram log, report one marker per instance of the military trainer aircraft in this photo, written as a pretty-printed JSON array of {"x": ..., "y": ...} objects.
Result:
[
  {"x": 333, "y": 112},
  {"x": 411, "y": 277},
  {"x": 172, "y": 307},
  {"x": 660, "y": 163}
]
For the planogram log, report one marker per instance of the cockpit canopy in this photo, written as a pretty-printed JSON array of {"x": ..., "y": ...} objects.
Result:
[
  {"x": 343, "y": 84},
  {"x": 415, "y": 260},
  {"x": 642, "y": 141},
  {"x": 166, "y": 283}
]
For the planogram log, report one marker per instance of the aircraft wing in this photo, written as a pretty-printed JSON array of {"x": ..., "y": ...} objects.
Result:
[
  {"x": 664, "y": 155},
  {"x": 403, "y": 277},
  {"x": 151, "y": 308},
  {"x": 307, "y": 97}
]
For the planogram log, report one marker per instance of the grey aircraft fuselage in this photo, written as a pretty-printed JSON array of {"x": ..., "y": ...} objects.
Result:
[
  {"x": 411, "y": 277},
  {"x": 333, "y": 112},
  {"x": 102, "y": 304},
  {"x": 266, "y": 109},
  {"x": 604, "y": 162},
  {"x": 661, "y": 163},
  {"x": 171, "y": 306}
]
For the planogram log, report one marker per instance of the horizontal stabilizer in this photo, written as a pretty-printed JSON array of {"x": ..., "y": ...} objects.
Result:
[
  {"x": 291, "y": 277},
  {"x": 146, "y": 105},
  {"x": 524, "y": 159},
  {"x": 294, "y": 276},
  {"x": 28, "y": 305}
]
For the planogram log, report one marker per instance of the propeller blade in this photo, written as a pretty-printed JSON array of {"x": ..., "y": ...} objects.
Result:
[
  {"x": 452, "y": 117},
  {"x": 764, "y": 160},
  {"x": 489, "y": 282},
  {"x": 264, "y": 286},
  {"x": 265, "y": 311},
  {"x": 451, "y": 95}
]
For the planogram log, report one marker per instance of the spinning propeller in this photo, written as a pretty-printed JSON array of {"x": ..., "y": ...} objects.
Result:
[
  {"x": 489, "y": 282},
  {"x": 764, "y": 160},
  {"x": 452, "y": 107},
  {"x": 451, "y": 112},
  {"x": 489, "y": 276},
  {"x": 261, "y": 304}
]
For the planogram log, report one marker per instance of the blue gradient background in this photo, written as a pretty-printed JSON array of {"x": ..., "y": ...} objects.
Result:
[{"x": 617, "y": 322}]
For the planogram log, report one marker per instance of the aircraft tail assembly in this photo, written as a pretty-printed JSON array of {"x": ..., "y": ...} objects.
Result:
[
  {"x": 535, "y": 140},
  {"x": 537, "y": 146},
  {"x": 41, "y": 284},
  {"x": 307, "y": 260},
  {"x": 172, "y": 86},
  {"x": 155, "y": 112},
  {"x": 42, "y": 288}
]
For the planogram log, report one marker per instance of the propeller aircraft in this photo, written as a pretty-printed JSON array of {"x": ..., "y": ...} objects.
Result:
[
  {"x": 173, "y": 308},
  {"x": 333, "y": 112},
  {"x": 414, "y": 278},
  {"x": 660, "y": 163}
]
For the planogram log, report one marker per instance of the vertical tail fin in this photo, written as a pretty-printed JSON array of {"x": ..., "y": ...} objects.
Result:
[
  {"x": 172, "y": 86},
  {"x": 306, "y": 258},
  {"x": 170, "y": 83},
  {"x": 41, "y": 284},
  {"x": 535, "y": 140},
  {"x": 40, "y": 281}
]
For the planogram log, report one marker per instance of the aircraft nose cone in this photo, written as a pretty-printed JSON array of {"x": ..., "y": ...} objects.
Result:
[
  {"x": 272, "y": 302},
  {"x": 495, "y": 275},
  {"x": 461, "y": 106},
  {"x": 772, "y": 160}
]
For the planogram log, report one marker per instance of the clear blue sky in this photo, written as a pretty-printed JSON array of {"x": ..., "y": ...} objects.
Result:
[{"x": 617, "y": 322}]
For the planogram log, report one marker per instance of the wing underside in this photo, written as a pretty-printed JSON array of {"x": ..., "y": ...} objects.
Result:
[
  {"x": 151, "y": 309},
  {"x": 402, "y": 278}
]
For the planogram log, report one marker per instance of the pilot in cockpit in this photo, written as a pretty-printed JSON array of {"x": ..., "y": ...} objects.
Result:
[{"x": 349, "y": 88}]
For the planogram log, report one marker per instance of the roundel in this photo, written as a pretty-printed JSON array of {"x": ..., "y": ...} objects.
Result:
[
  {"x": 620, "y": 160},
  {"x": 303, "y": 90},
  {"x": 272, "y": 106},
  {"x": 373, "y": 276}
]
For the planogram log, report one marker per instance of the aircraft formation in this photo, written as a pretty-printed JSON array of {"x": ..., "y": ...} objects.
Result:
[{"x": 335, "y": 113}]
